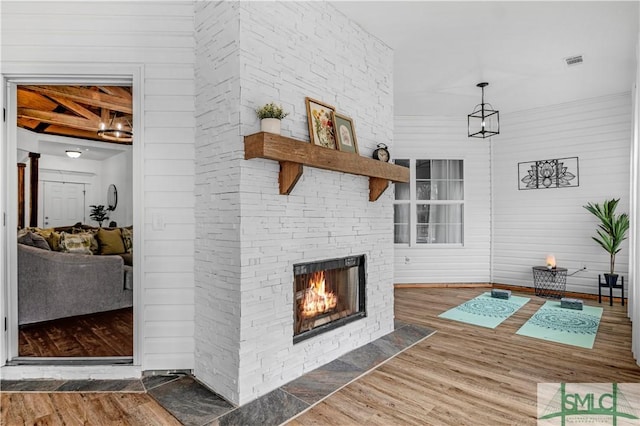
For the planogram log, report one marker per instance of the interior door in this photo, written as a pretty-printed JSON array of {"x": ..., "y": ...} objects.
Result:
[{"x": 63, "y": 203}]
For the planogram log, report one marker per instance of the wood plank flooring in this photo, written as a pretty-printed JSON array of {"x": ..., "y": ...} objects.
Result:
[
  {"x": 96, "y": 335},
  {"x": 72, "y": 409},
  {"x": 462, "y": 375},
  {"x": 468, "y": 375}
]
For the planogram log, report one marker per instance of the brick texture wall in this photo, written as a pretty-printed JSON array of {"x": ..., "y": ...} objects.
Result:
[{"x": 252, "y": 235}]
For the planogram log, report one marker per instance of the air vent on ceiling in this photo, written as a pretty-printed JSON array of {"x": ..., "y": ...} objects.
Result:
[{"x": 574, "y": 60}]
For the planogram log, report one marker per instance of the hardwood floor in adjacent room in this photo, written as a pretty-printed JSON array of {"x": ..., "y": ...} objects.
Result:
[
  {"x": 468, "y": 375},
  {"x": 97, "y": 335}
]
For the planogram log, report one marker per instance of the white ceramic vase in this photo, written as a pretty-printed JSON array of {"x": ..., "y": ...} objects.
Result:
[{"x": 270, "y": 125}]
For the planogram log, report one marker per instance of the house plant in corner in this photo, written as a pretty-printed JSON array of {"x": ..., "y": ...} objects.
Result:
[
  {"x": 270, "y": 116},
  {"x": 612, "y": 231}
]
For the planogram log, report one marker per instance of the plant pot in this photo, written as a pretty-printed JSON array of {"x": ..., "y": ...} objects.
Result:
[
  {"x": 611, "y": 279},
  {"x": 270, "y": 125}
]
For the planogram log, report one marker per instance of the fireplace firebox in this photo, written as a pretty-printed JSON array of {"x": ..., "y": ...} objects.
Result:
[{"x": 328, "y": 294}]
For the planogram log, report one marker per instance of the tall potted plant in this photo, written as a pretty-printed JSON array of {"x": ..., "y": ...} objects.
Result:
[
  {"x": 270, "y": 116},
  {"x": 612, "y": 231}
]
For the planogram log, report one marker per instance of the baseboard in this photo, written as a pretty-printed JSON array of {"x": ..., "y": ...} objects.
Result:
[
  {"x": 518, "y": 288},
  {"x": 443, "y": 285},
  {"x": 572, "y": 294}
]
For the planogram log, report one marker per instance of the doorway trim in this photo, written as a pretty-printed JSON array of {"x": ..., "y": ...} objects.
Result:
[{"x": 71, "y": 74}]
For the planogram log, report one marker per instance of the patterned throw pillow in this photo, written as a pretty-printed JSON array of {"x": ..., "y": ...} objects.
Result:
[
  {"x": 43, "y": 232},
  {"x": 54, "y": 241},
  {"x": 127, "y": 238},
  {"x": 110, "y": 241},
  {"x": 75, "y": 243}
]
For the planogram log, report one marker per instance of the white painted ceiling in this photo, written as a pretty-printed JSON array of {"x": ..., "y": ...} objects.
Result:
[
  {"x": 97, "y": 151},
  {"x": 442, "y": 49}
]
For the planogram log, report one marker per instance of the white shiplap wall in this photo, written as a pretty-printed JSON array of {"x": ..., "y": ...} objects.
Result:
[
  {"x": 445, "y": 138},
  {"x": 529, "y": 224},
  {"x": 157, "y": 36}
]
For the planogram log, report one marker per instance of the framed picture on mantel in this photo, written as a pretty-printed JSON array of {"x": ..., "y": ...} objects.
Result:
[
  {"x": 345, "y": 133},
  {"x": 321, "y": 125}
]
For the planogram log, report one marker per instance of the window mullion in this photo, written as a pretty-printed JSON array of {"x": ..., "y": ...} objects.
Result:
[{"x": 413, "y": 219}]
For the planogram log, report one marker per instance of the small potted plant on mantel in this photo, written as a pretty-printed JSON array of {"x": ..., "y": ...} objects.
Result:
[
  {"x": 270, "y": 116},
  {"x": 612, "y": 231}
]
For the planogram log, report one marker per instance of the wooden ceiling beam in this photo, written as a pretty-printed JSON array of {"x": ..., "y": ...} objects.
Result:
[
  {"x": 68, "y": 131},
  {"x": 29, "y": 99},
  {"x": 59, "y": 119},
  {"x": 116, "y": 91},
  {"x": 88, "y": 97},
  {"x": 75, "y": 107},
  {"x": 27, "y": 123}
]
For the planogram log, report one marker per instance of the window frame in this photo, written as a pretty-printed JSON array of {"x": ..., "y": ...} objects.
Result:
[{"x": 414, "y": 202}]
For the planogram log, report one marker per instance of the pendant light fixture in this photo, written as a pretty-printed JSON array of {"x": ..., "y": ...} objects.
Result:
[
  {"x": 484, "y": 121},
  {"x": 115, "y": 131}
]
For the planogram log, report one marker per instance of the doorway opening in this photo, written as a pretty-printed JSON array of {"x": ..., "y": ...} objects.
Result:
[{"x": 73, "y": 266}]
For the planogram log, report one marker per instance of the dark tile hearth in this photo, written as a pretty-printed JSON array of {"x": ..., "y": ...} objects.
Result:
[
  {"x": 190, "y": 402},
  {"x": 321, "y": 382},
  {"x": 273, "y": 408},
  {"x": 194, "y": 404}
]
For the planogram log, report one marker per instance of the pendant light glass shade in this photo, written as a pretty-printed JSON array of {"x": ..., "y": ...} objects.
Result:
[{"x": 484, "y": 121}]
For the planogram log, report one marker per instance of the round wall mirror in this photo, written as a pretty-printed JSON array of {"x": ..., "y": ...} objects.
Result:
[{"x": 112, "y": 197}]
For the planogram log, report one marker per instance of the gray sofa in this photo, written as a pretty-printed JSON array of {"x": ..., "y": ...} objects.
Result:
[{"x": 54, "y": 285}]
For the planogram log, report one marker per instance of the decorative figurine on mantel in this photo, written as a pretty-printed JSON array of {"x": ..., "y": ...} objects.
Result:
[
  {"x": 270, "y": 116},
  {"x": 382, "y": 153}
]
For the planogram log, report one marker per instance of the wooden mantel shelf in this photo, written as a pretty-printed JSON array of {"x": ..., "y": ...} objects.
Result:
[{"x": 293, "y": 154}]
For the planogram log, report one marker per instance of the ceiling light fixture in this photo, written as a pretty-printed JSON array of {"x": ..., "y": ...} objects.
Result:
[
  {"x": 115, "y": 131},
  {"x": 484, "y": 121},
  {"x": 73, "y": 153}
]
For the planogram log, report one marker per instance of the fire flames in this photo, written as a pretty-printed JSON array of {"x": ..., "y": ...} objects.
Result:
[{"x": 316, "y": 300}]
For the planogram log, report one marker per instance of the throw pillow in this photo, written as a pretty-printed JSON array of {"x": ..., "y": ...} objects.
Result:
[
  {"x": 25, "y": 239},
  {"x": 22, "y": 232},
  {"x": 75, "y": 243},
  {"x": 127, "y": 238},
  {"x": 43, "y": 232},
  {"x": 54, "y": 241},
  {"x": 33, "y": 240},
  {"x": 40, "y": 242},
  {"x": 110, "y": 241}
]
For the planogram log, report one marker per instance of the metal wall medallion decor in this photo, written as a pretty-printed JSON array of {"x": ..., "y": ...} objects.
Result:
[{"x": 557, "y": 173}]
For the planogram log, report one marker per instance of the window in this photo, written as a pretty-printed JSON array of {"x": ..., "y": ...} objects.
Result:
[{"x": 434, "y": 199}]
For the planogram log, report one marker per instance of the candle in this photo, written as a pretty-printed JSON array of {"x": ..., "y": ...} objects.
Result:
[{"x": 551, "y": 261}]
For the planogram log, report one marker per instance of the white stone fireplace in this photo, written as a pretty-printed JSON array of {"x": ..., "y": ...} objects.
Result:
[{"x": 250, "y": 238}]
